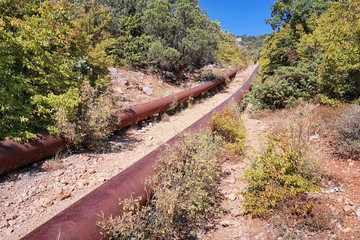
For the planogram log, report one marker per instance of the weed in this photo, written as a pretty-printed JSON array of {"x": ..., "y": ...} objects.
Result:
[
  {"x": 95, "y": 113},
  {"x": 56, "y": 163},
  {"x": 301, "y": 215},
  {"x": 347, "y": 136},
  {"x": 184, "y": 198},
  {"x": 229, "y": 125},
  {"x": 278, "y": 174},
  {"x": 301, "y": 124}
]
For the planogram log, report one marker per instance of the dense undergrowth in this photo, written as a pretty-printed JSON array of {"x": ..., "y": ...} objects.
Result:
[{"x": 229, "y": 125}]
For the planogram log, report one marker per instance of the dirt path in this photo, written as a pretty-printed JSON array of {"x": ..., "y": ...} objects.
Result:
[
  {"x": 31, "y": 196},
  {"x": 233, "y": 224}
]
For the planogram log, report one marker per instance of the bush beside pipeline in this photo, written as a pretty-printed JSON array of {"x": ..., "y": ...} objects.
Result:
[
  {"x": 79, "y": 220},
  {"x": 14, "y": 155}
]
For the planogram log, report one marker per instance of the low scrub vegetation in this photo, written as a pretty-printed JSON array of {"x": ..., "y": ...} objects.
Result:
[
  {"x": 285, "y": 170},
  {"x": 91, "y": 123},
  {"x": 347, "y": 134},
  {"x": 185, "y": 194},
  {"x": 277, "y": 175},
  {"x": 229, "y": 125}
]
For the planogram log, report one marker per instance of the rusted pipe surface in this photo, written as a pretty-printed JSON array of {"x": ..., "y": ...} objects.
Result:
[
  {"x": 79, "y": 220},
  {"x": 145, "y": 110},
  {"x": 15, "y": 155}
]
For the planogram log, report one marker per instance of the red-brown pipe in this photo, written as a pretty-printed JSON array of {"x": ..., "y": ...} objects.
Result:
[
  {"x": 79, "y": 220},
  {"x": 14, "y": 155},
  {"x": 143, "y": 111}
]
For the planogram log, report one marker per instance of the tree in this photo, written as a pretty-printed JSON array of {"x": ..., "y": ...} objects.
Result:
[
  {"x": 181, "y": 26},
  {"x": 295, "y": 12},
  {"x": 279, "y": 50},
  {"x": 338, "y": 34},
  {"x": 44, "y": 59}
]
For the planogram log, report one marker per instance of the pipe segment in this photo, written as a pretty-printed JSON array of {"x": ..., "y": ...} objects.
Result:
[
  {"x": 14, "y": 155},
  {"x": 78, "y": 222}
]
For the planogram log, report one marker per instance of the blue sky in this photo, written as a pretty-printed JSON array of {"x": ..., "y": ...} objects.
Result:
[{"x": 240, "y": 16}]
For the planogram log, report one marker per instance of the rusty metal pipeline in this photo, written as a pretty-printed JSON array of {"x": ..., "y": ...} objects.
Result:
[
  {"x": 145, "y": 110},
  {"x": 14, "y": 155},
  {"x": 79, "y": 220}
]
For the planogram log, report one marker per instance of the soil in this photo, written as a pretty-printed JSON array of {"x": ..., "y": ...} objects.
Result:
[{"x": 31, "y": 196}]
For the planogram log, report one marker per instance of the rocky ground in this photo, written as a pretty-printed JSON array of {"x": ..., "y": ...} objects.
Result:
[
  {"x": 338, "y": 202},
  {"x": 31, "y": 196}
]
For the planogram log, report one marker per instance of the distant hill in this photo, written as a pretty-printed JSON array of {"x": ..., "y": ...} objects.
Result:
[{"x": 253, "y": 43}]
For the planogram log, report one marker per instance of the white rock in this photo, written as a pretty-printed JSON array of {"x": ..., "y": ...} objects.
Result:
[
  {"x": 112, "y": 71},
  {"x": 357, "y": 211},
  {"x": 148, "y": 91},
  {"x": 315, "y": 137},
  {"x": 225, "y": 223},
  {"x": 232, "y": 196}
]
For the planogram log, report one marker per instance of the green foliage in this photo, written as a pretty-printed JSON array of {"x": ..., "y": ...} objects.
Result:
[
  {"x": 182, "y": 26},
  {"x": 277, "y": 175},
  {"x": 39, "y": 50},
  {"x": 324, "y": 33},
  {"x": 229, "y": 125},
  {"x": 347, "y": 135},
  {"x": 166, "y": 57},
  {"x": 175, "y": 210},
  {"x": 294, "y": 12},
  {"x": 91, "y": 123},
  {"x": 279, "y": 50},
  {"x": 338, "y": 34},
  {"x": 230, "y": 54},
  {"x": 254, "y": 45},
  {"x": 93, "y": 21},
  {"x": 131, "y": 45},
  {"x": 45, "y": 55},
  {"x": 288, "y": 84}
]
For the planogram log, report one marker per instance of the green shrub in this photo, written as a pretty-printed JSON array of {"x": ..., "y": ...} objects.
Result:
[
  {"x": 185, "y": 194},
  {"x": 284, "y": 87},
  {"x": 231, "y": 54},
  {"x": 277, "y": 175},
  {"x": 347, "y": 136},
  {"x": 90, "y": 122},
  {"x": 46, "y": 53},
  {"x": 229, "y": 125}
]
